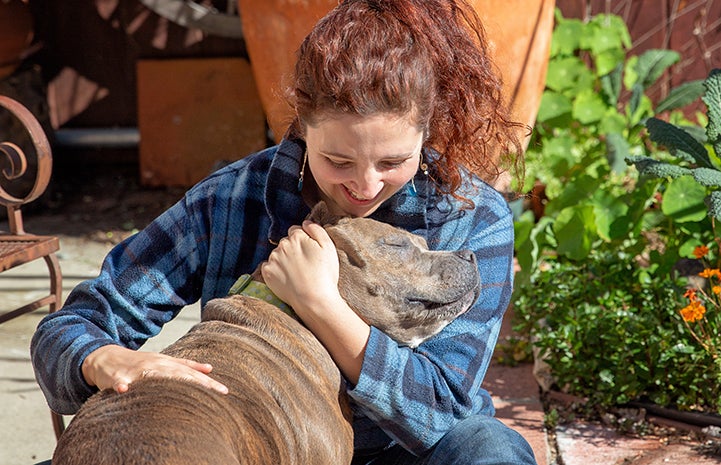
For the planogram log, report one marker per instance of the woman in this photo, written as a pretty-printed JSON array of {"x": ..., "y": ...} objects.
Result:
[{"x": 399, "y": 118}]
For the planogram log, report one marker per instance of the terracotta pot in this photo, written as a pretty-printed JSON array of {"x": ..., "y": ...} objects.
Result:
[
  {"x": 273, "y": 30},
  {"x": 519, "y": 31},
  {"x": 520, "y": 34},
  {"x": 16, "y": 33}
]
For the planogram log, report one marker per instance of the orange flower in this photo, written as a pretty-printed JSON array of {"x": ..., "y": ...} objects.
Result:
[
  {"x": 711, "y": 273},
  {"x": 690, "y": 294},
  {"x": 700, "y": 251},
  {"x": 693, "y": 312},
  {"x": 716, "y": 290}
]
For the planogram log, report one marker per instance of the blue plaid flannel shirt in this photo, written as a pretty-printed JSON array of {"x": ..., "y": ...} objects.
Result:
[{"x": 224, "y": 227}]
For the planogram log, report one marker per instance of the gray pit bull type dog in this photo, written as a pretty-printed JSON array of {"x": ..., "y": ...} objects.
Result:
[{"x": 287, "y": 402}]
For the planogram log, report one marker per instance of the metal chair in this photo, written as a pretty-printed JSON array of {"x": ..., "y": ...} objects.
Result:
[{"x": 18, "y": 247}]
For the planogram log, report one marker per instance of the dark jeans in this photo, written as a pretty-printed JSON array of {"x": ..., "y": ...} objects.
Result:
[{"x": 478, "y": 440}]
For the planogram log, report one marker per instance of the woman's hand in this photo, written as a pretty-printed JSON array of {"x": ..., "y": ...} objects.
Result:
[
  {"x": 303, "y": 271},
  {"x": 115, "y": 367}
]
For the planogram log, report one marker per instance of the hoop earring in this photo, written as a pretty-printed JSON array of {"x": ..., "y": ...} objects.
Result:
[{"x": 302, "y": 170}]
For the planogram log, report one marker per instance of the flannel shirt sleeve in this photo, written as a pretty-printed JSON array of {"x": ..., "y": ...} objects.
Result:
[
  {"x": 143, "y": 283},
  {"x": 195, "y": 250},
  {"x": 417, "y": 395}
]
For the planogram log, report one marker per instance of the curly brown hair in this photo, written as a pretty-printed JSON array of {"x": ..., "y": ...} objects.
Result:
[{"x": 428, "y": 58}]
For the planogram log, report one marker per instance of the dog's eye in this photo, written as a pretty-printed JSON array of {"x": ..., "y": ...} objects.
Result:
[{"x": 396, "y": 241}]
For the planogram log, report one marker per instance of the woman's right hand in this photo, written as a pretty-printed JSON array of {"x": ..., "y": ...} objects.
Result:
[{"x": 115, "y": 367}]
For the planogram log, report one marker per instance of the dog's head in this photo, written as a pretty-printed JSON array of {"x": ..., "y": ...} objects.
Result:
[{"x": 391, "y": 280}]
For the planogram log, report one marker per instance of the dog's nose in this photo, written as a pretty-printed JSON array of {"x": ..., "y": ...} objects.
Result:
[{"x": 467, "y": 255}]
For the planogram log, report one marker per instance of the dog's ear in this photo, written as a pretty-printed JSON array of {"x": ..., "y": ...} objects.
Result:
[{"x": 322, "y": 215}]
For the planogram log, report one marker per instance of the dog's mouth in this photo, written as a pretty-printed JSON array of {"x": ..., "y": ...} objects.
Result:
[
  {"x": 455, "y": 306},
  {"x": 425, "y": 318}
]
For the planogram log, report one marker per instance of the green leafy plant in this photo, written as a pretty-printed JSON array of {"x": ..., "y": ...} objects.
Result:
[
  {"x": 598, "y": 296},
  {"x": 591, "y": 119},
  {"x": 692, "y": 160},
  {"x": 611, "y": 335},
  {"x": 690, "y": 194},
  {"x": 691, "y": 199}
]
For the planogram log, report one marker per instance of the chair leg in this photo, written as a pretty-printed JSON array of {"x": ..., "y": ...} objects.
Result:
[
  {"x": 58, "y": 424},
  {"x": 56, "y": 281},
  {"x": 56, "y": 290}
]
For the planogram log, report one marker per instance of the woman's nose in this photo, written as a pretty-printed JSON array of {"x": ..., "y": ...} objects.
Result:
[{"x": 369, "y": 183}]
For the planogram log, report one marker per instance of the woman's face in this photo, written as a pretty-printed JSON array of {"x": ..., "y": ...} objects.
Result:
[{"x": 360, "y": 161}]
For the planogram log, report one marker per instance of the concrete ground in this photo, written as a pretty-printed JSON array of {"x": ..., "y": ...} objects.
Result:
[{"x": 26, "y": 434}]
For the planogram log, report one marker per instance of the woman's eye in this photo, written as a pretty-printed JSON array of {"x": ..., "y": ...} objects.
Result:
[
  {"x": 338, "y": 164},
  {"x": 389, "y": 165}
]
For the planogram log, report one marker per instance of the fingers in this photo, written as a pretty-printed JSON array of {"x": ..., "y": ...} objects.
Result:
[
  {"x": 117, "y": 368},
  {"x": 199, "y": 374},
  {"x": 121, "y": 386},
  {"x": 317, "y": 233},
  {"x": 186, "y": 370}
]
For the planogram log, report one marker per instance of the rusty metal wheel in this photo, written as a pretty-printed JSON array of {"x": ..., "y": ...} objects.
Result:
[{"x": 205, "y": 15}]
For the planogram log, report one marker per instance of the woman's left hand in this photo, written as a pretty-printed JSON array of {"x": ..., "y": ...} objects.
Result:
[{"x": 303, "y": 269}]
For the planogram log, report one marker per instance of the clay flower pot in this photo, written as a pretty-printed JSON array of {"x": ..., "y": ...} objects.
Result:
[
  {"x": 519, "y": 32},
  {"x": 16, "y": 33}
]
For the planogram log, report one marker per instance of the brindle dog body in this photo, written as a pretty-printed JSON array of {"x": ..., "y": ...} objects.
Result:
[{"x": 287, "y": 403}]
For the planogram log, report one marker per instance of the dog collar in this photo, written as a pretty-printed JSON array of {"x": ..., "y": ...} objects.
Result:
[{"x": 247, "y": 286}]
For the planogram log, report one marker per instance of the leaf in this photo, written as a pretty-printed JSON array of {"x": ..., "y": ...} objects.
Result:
[
  {"x": 683, "y": 200},
  {"x": 611, "y": 83},
  {"x": 662, "y": 170},
  {"x": 566, "y": 36},
  {"x": 606, "y": 376},
  {"x": 607, "y": 60},
  {"x": 612, "y": 122},
  {"x": 522, "y": 228},
  {"x": 607, "y": 209},
  {"x": 652, "y": 64},
  {"x": 707, "y": 177},
  {"x": 713, "y": 203},
  {"x": 712, "y": 99},
  {"x": 630, "y": 75},
  {"x": 616, "y": 22},
  {"x": 687, "y": 248},
  {"x": 680, "y": 96},
  {"x": 553, "y": 105},
  {"x": 649, "y": 167},
  {"x": 643, "y": 111},
  {"x": 564, "y": 73},
  {"x": 575, "y": 190},
  {"x": 610, "y": 31},
  {"x": 678, "y": 142},
  {"x": 697, "y": 132},
  {"x": 635, "y": 101},
  {"x": 588, "y": 107},
  {"x": 537, "y": 240},
  {"x": 599, "y": 38},
  {"x": 617, "y": 151},
  {"x": 558, "y": 155},
  {"x": 575, "y": 231}
]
